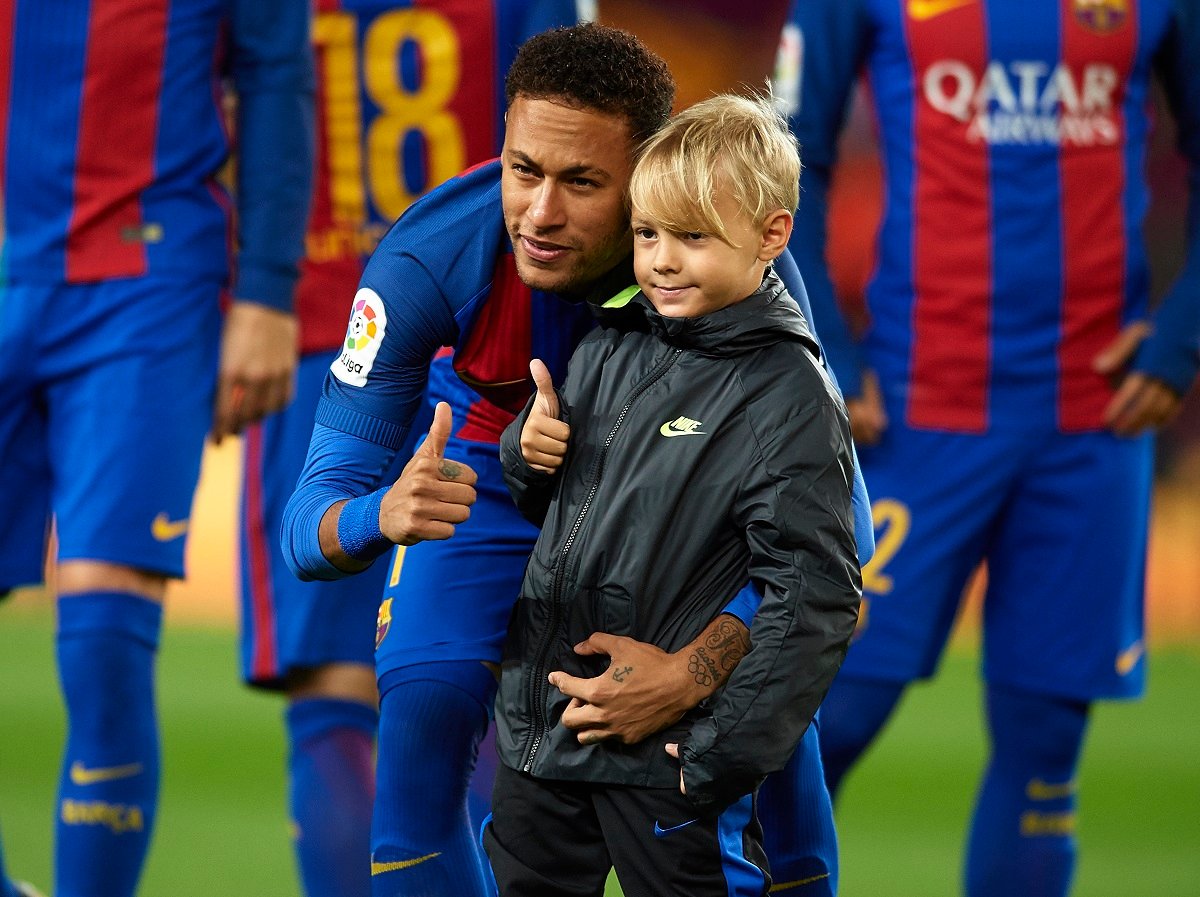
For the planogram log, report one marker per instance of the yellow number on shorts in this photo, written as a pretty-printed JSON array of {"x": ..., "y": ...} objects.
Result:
[{"x": 892, "y": 523}]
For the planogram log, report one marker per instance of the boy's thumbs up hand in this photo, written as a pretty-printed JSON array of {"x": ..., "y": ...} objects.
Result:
[
  {"x": 433, "y": 493},
  {"x": 544, "y": 437},
  {"x": 547, "y": 397}
]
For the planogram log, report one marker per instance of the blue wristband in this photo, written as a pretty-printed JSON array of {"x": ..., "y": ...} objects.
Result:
[{"x": 358, "y": 527}]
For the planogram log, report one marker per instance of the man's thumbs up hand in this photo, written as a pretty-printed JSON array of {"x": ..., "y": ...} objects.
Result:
[{"x": 433, "y": 493}]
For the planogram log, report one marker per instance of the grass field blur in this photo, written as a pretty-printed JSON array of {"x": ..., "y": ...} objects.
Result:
[{"x": 222, "y": 826}]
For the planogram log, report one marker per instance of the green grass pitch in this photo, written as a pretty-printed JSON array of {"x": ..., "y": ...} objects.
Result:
[{"x": 222, "y": 824}]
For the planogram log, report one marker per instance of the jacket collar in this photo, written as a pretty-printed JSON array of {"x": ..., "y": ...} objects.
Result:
[{"x": 769, "y": 315}]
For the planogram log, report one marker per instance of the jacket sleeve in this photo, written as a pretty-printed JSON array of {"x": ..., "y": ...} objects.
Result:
[
  {"x": 531, "y": 489},
  {"x": 796, "y": 509}
]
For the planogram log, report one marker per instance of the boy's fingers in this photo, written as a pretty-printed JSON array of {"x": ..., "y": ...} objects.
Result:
[{"x": 547, "y": 397}]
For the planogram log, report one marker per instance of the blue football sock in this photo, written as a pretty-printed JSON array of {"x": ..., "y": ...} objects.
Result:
[
  {"x": 1023, "y": 831},
  {"x": 108, "y": 790},
  {"x": 331, "y": 788},
  {"x": 479, "y": 796},
  {"x": 432, "y": 718},
  {"x": 6, "y": 888},
  {"x": 797, "y": 821},
  {"x": 852, "y": 714}
]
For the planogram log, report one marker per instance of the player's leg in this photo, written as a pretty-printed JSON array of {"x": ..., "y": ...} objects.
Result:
[
  {"x": 933, "y": 496},
  {"x": 129, "y": 407},
  {"x": 547, "y": 838},
  {"x": 1022, "y": 832},
  {"x": 315, "y": 642},
  {"x": 660, "y": 846},
  {"x": 432, "y": 718},
  {"x": 331, "y": 722},
  {"x": 797, "y": 821},
  {"x": 857, "y": 710},
  {"x": 444, "y": 602},
  {"x": 1062, "y": 627}
]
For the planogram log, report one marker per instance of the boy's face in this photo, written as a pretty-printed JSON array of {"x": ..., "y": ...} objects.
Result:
[
  {"x": 565, "y": 173},
  {"x": 689, "y": 274}
]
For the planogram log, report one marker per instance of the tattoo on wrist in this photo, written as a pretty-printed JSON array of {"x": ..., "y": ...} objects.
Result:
[
  {"x": 721, "y": 652},
  {"x": 450, "y": 470},
  {"x": 622, "y": 673},
  {"x": 703, "y": 668}
]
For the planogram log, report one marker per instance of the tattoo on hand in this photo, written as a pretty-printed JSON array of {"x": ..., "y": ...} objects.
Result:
[
  {"x": 621, "y": 674},
  {"x": 450, "y": 470}
]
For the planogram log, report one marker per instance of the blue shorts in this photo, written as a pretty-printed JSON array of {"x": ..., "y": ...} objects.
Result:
[
  {"x": 289, "y": 625},
  {"x": 1061, "y": 521},
  {"x": 451, "y": 600},
  {"x": 106, "y": 395}
]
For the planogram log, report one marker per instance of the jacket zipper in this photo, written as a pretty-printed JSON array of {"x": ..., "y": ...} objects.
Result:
[{"x": 538, "y": 681}]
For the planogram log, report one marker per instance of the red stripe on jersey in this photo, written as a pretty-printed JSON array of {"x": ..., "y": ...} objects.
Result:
[
  {"x": 951, "y": 239},
  {"x": 494, "y": 358},
  {"x": 264, "y": 654},
  {"x": 8, "y": 14},
  {"x": 118, "y": 124},
  {"x": 1093, "y": 215}
]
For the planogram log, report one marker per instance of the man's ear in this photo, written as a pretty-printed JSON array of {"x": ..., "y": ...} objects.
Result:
[{"x": 776, "y": 230}]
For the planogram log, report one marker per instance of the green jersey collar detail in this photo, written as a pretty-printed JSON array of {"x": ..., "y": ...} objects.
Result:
[{"x": 622, "y": 298}]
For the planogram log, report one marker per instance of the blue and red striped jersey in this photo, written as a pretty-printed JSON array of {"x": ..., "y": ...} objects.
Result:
[
  {"x": 113, "y": 132},
  {"x": 1013, "y": 137},
  {"x": 409, "y": 93}
]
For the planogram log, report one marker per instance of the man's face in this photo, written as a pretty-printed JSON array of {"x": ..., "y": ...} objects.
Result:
[{"x": 563, "y": 188}]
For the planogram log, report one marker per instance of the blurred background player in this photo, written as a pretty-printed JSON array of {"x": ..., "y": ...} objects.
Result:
[
  {"x": 449, "y": 276},
  {"x": 116, "y": 257},
  {"x": 1005, "y": 391},
  {"x": 408, "y": 94}
]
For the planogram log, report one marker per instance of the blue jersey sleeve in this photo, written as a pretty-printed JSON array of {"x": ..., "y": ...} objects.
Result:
[
  {"x": 832, "y": 41},
  {"x": 339, "y": 466},
  {"x": 1172, "y": 353},
  {"x": 272, "y": 73}
]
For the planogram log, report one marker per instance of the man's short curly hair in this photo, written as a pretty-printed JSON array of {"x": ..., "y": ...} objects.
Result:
[{"x": 593, "y": 66}]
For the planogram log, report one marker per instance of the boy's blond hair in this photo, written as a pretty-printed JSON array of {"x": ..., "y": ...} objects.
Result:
[{"x": 732, "y": 143}]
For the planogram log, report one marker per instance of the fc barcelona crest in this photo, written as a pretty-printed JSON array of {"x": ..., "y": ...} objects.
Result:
[
  {"x": 383, "y": 622},
  {"x": 1101, "y": 16}
]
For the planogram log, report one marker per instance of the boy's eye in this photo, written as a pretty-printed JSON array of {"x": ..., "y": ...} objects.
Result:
[
  {"x": 692, "y": 235},
  {"x": 644, "y": 233}
]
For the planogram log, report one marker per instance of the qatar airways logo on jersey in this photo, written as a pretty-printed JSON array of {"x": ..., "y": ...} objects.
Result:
[{"x": 1027, "y": 102}]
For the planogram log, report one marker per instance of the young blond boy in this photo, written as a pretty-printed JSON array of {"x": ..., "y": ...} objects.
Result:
[{"x": 695, "y": 444}]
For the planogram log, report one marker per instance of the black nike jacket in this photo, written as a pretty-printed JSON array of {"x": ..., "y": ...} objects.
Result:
[{"x": 704, "y": 453}]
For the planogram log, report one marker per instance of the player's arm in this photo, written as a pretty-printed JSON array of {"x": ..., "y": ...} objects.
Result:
[
  {"x": 342, "y": 515},
  {"x": 272, "y": 74},
  {"x": 832, "y": 39},
  {"x": 795, "y": 507},
  {"x": 645, "y": 689},
  {"x": 1166, "y": 353}
]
